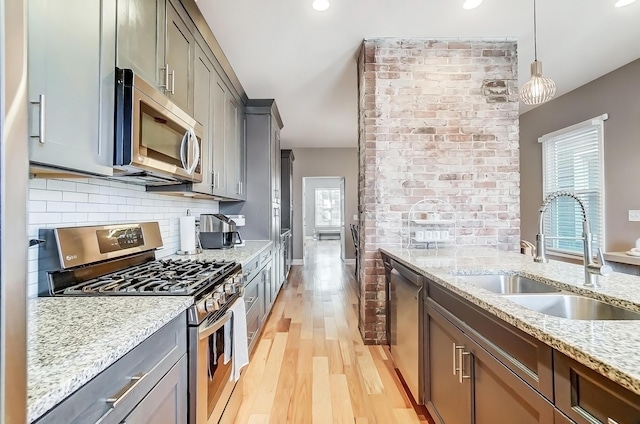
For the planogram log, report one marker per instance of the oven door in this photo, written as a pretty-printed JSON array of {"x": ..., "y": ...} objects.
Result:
[
  {"x": 153, "y": 134},
  {"x": 210, "y": 385}
]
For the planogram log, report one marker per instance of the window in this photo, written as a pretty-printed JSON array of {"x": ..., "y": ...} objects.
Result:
[
  {"x": 328, "y": 213},
  {"x": 572, "y": 160}
]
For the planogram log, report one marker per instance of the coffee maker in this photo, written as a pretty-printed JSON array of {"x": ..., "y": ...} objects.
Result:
[{"x": 218, "y": 231}]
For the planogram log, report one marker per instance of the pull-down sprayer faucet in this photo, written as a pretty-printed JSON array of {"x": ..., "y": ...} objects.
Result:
[{"x": 591, "y": 268}]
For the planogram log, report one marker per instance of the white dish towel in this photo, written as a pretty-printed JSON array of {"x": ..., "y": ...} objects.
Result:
[{"x": 235, "y": 339}]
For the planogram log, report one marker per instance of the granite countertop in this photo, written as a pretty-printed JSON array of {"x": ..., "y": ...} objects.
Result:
[
  {"x": 73, "y": 339},
  {"x": 242, "y": 254},
  {"x": 608, "y": 347}
]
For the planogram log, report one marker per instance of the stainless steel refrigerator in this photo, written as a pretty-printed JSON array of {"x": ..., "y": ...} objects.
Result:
[{"x": 14, "y": 168}]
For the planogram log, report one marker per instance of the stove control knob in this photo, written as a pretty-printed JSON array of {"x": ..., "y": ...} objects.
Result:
[
  {"x": 229, "y": 288},
  {"x": 211, "y": 305},
  {"x": 220, "y": 298}
]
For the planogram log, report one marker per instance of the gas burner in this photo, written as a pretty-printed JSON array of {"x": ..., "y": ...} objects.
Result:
[{"x": 159, "y": 277}]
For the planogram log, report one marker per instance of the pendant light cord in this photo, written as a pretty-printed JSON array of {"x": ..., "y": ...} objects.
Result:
[{"x": 535, "y": 33}]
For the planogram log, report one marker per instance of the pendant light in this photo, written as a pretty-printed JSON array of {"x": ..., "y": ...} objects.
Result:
[
  {"x": 471, "y": 4},
  {"x": 320, "y": 5},
  {"x": 538, "y": 89}
]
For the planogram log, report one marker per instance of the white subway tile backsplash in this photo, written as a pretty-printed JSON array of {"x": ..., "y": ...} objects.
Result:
[
  {"x": 87, "y": 188},
  {"x": 61, "y": 207},
  {"x": 37, "y": 206},
  {"x": 69, "y": 196},
  {"x": 61, "y": 185},
  {"x": 39, "y": 194},
  {"x": 70, "y": 202},
  {"x": 45, "y": 217},
  {"x": 98, "y": 198}
]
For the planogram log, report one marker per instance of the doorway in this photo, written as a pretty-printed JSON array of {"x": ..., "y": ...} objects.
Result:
[{"x": 323, "y": 217}]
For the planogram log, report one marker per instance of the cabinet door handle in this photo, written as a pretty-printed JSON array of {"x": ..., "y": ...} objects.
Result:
[
  {"x": 461, "y": 355},
  {"x": 126, "y": 390},
  {"x": 611, "y": 421},
  {"x": 213, "y": 179},
  {"x": 173, "y": 82},
  {"x": 454, "y": 360},
  {"x": 41, "y": 119},
  {"x": 165, "y": 86}
]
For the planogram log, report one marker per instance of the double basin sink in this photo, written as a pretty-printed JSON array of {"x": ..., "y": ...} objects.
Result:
[{"x": 549, "y": 300}]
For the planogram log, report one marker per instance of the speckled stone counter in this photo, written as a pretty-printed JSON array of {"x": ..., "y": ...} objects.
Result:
[
  {"x": 73, "y": 339},
  {"x": 244, "y": 254},
  {"x": 611, "y": 348}
]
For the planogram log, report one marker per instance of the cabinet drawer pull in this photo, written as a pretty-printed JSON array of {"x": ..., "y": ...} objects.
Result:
[
  {"x": 250, "y": 301},
  {"x": 126, "y": 390},
  {"x": 461, "y": 355},
  {"x": 41, "y": 119}
]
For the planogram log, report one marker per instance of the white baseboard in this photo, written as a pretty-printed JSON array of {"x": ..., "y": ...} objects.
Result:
[
  {"x": 350, "y": 261},
  {"x": 297, "y": 262}
]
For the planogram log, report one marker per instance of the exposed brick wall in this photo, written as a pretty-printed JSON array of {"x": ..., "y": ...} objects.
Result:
[{"x": 438, "y": 118}]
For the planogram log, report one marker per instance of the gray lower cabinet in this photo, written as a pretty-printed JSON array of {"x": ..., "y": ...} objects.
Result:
[
  {"x": 480, "y": 369},
  {"x": 258, "y": 294},
  {"x": 469, "y": 385},
  {"x": 166, "y": 403},
  {"x": 588, "y": 397},
  {"x": 147, "y": 385},
  {"x": 72, "y": 84}
]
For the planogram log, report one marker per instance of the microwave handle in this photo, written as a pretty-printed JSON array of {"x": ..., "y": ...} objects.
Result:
[
  {"x": 196, "y": 151},
  {"x": 183, "y": 158}
]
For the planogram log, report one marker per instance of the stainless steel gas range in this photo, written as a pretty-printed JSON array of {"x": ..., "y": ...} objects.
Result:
[{"x": 119, "y": 260}]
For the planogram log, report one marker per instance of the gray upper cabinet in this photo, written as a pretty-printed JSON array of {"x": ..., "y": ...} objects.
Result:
[
  {"x": 203, "y": 82},
  {"x": 155, "y": 39},
  {"x": 141, "y": 39},
  {"x": 180, "y": 50},
  {"x": 71, "y": 84},
  {"x": 219, "y": 99},
  {"x": 234, "y": 188},
  {"x": 241, "y": 158}
]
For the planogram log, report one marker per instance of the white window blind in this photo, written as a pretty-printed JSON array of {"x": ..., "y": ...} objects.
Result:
[{"x": 572, "y": 160}]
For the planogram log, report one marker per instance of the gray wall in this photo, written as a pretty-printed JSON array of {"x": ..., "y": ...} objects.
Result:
[
  {"x": 325, "y": 162},
  {"x": 311, "y": 184},
  {"x": 618, "y": 95}
]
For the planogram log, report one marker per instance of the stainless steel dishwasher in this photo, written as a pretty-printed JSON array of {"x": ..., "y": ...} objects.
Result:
[{"x": 404, "y": 324}]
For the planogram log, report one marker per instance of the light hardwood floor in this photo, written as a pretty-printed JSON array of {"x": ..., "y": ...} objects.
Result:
[{"x": 310, "y": 365}]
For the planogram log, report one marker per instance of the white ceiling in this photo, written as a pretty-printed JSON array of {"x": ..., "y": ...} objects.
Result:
[{"x": 306, "y": 60}]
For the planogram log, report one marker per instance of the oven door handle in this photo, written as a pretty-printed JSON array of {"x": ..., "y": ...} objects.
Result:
[{"x": 205, "y": 332}]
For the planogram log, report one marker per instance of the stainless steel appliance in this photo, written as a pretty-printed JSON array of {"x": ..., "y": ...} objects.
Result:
[
  {"x": 14, "y": 163},
  {"x": 119, "y": 260},
  {"x": 405, "y": 324},
  {"x": 218, "y": 231},
  {"x": 156, "y": 143}
]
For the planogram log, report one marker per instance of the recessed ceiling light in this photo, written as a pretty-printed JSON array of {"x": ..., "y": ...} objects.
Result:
[
  {"x": 320, "y": 5},
  {"x": 621, "y": 3},
  {"x": 471, "y": 4}
]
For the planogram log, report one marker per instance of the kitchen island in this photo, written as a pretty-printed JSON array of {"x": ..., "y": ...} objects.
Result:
[{"x": 608, "y": 347}]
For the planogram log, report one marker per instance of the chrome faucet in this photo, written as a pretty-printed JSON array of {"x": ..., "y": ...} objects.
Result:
[{"x": 591, "y": 268}]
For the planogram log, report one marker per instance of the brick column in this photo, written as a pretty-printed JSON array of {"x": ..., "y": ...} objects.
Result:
[{"x": 437, "y": 118}]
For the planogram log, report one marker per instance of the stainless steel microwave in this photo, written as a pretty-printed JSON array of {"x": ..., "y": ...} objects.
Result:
[{"x": 156, "y": 143}]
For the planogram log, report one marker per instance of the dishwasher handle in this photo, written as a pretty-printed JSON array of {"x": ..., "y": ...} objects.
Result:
[{"x": 406, "y": 274}]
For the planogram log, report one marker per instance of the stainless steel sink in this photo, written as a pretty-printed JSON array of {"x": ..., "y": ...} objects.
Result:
[
  {"x": 505, "y": 284},
  {"x": 573, "y": 307}
]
